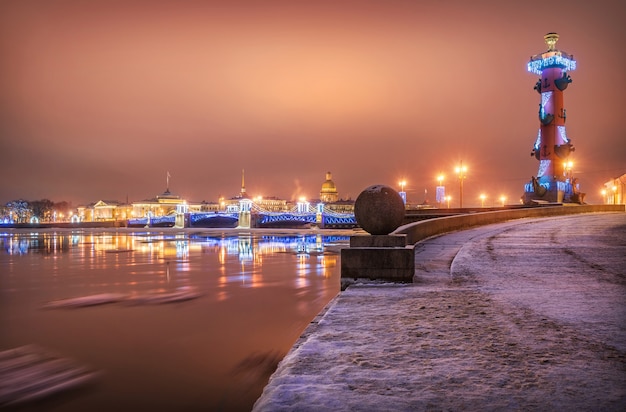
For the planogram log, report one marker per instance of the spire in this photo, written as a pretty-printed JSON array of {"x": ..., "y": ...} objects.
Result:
[{"x": 243, "y": 184}]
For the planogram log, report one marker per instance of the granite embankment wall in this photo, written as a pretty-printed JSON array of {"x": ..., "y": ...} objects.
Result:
[
  {"x": 383, "y": 258},
  {"x": 423, "y": 229}
]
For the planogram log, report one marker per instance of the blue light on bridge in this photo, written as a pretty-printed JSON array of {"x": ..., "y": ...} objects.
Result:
[{"x": 287, "y": 217}]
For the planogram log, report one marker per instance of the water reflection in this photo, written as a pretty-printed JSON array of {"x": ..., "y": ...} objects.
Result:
[
  {"x": 258, "y": 291},
  {"x": 46, "y": 243},
  {"x": 246, "y": 247},
  {"x": 162, "y": 260}
]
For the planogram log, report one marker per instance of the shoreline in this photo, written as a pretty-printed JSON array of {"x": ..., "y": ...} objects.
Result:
[{"x": 312, "y": 231}]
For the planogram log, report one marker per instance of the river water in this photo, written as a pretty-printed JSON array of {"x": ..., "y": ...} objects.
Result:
[{"x": 255, "y": 292}]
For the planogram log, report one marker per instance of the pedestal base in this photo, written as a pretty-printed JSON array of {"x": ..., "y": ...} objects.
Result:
[{"x": 378, "y": 258}]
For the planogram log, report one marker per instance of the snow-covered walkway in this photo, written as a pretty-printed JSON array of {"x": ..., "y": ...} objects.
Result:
[{"x": 523, "y": 315}]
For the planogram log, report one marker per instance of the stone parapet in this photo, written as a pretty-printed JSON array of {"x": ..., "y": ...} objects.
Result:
[
  {"x": 385, "y": 257},
  {"x": 417, "y": 231},
  {"x": 378, "y": 263},
  {"x": 378, "y": 241}
]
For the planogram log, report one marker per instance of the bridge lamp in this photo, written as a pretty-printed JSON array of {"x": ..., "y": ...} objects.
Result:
[{"x": 482, "y": 199}]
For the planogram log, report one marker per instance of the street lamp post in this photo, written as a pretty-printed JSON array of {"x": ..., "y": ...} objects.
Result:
[
  {"x": 482, "y": 200},
  {"x": 448, "y": 200},
  {"x": 461, "y": 170}
]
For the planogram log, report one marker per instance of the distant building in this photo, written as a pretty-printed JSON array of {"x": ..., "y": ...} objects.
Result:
[
  {"x": 111, "y": 210},
  {"x": 104, "y": 211},
  {"x": 168, "y": 203},
  {"x": 329, "y": 193},
  {"x": 161, "y": 205},
  {"x": 205, "y": 207},
  {"x": 329, "y": 196},
  {"x": 341, "y": 206},
  {"x": 272, "y": 204},
  {"x": 613, "y": 192}
]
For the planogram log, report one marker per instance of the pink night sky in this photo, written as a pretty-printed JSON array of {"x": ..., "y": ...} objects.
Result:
[{"x": 100, "y": 99}]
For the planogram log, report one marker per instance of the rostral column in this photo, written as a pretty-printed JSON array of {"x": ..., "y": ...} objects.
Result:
[{"x": 554, "y": 181}]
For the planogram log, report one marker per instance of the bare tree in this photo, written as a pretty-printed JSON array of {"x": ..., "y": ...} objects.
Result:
[
  {"x": 42, "y": 209},
  {"x": 19, "y": 210}
]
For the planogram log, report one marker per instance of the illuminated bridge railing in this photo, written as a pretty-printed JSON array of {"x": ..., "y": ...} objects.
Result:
[
  {"x": 213, "y": 219},
  {"x": 286, "y": 217},
  {"x": 163, "y": 221},
  {"x": 255, "y": 208},
  {"x": 329, "y": 217},
  {"x": 339, "y": 219},
  {"x": 142, "y": 221},
  {"x": 155, "y": 221}
]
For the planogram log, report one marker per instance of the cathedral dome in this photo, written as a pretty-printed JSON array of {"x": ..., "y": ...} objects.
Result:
[
  {"x": 328, "y": 193},
  {"x": 329, "y": 187}
]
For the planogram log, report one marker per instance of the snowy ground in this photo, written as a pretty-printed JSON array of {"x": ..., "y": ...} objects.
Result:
[{"x": 524, "y": 315}]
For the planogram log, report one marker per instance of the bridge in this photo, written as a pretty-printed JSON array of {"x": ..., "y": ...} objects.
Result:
[{"x": 249, "y": 214}]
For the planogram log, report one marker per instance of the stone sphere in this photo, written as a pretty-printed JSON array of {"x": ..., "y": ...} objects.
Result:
[{"x": 379, "y": 210}]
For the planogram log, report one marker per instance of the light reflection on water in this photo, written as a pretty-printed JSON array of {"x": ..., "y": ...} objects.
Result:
[{"x": 258, "y": 292}]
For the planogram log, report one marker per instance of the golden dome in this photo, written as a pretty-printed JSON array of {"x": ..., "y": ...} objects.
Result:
[
  {"x": 328, "y": 187},
  {"x": 328, "y": 193}
]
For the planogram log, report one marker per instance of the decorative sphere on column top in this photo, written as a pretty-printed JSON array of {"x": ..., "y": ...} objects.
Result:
[{"x": 379, "y": 210}]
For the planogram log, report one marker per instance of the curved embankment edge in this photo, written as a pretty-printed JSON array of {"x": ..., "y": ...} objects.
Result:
[
  {"x": 417, "y": 231},
  {"x": 392, "y": 257}
]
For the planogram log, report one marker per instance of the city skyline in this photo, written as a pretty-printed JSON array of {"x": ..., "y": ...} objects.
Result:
[{"x": 100, "y": 100}]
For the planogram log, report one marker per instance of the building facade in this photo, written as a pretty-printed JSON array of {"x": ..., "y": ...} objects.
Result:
[
  {"x": 613, "y": 191},
  {"x": 328, "y": 193}
]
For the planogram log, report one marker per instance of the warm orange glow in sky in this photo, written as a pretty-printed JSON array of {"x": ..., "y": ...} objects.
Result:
[{"x": 101, "y": 99}]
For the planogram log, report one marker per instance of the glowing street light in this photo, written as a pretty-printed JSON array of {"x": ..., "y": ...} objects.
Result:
[
  {"x": 482, "y": 199},
  {"x": 567, "y": 169},
  {"x": 461, "y": 171},
  {"x": 614, "y": 188},
  {"x": 502, "y": 199},
  {"x": 440, "y": 179},
  {"x": 448, "y": 200},
  {"x": 603, "y": 192}
]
